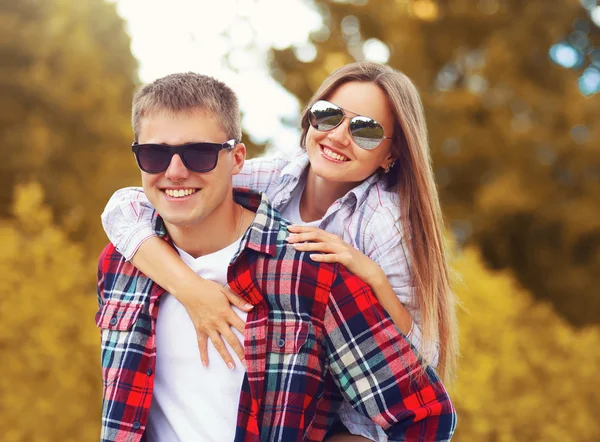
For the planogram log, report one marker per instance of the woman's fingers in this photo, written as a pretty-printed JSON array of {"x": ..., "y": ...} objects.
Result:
[
  {"x": 222, "y": 330},
  {"x": 203, "y": 347},
  {"x": 325, "y": 257},
  {"x": 237, "y": 322},
  {"x": 234, "y": 342},
  {"x": 315, "y": 236},
  {"x": 296, "y": 228},
  {"x": 236, "y": 300},
  {"x": 315, "y": 247},
  {"x": 215, "y": 337}
]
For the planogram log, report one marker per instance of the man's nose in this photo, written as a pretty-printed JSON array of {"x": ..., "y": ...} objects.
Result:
[{"x": 176, "y": 170}]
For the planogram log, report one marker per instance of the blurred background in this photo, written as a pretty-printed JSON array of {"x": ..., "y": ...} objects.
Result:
[{"x": 512, "y": 96}]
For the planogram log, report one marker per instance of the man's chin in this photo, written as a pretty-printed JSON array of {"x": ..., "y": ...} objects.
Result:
[{"x": 179, "y": 221}]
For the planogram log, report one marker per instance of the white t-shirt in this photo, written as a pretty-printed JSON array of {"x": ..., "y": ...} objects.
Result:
[{"x": 191, "y": 402}]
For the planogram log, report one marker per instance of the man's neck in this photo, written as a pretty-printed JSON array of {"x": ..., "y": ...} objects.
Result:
[{"x": 215, "y": 232}]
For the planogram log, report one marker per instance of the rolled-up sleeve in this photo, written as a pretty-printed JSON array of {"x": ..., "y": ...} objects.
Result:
[{"x": 127, "y": 220}]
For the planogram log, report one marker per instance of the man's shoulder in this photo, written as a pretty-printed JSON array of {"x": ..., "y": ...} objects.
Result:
[
  {"x": 112, "y": 268},
  {"x": 109, "y": 258},
  {"x": 323, "y": 275}
]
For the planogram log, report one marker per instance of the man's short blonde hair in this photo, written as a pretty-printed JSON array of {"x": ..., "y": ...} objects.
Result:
[{"x": 188, "y": 92}]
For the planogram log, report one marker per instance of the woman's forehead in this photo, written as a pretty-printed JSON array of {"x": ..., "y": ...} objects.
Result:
[{"x": 363, "y": 98}]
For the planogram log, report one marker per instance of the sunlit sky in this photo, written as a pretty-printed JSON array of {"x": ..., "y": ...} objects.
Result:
[{"x": 194, "y": 35}]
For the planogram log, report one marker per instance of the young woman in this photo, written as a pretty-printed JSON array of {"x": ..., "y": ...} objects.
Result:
[{"x": 361, "y": 192}]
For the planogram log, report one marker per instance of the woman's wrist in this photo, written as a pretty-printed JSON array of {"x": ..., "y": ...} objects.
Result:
[
  {"x": 182, "y": 281},
  {"x": 377, "y": 279}
]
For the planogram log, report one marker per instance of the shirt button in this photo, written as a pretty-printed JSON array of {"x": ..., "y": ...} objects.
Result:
[
  {"x": 136, "y": 425},
  {"x": 281, "y": 343},
  {"x": 149, "y": 372},
  {"x": 113, "y": 321}
]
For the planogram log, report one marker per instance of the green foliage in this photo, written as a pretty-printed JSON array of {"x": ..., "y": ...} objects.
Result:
[
  {"x": 50, "y": 387},
  {"x": 525, "y": 374},
  {"x": 515, "y": 145},
  {"x": 66, "y": 85}
]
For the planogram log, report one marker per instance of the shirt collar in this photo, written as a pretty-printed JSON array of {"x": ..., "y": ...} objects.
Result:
[
  {"x": 299, "y": 164},
  {"x": 268, "y": 229},
  {"x": 359, "y": 193},
  {"x": 266, "y": 233}
]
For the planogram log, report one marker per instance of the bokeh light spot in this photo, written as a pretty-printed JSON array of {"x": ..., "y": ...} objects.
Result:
[
  {"x": 595, "y": 15},
  {"x": 306, "y": 53},
  {"x": 376, "y": 50},
  {"x": 589, "y": 82},
  {"x": 566, "y": 55}
]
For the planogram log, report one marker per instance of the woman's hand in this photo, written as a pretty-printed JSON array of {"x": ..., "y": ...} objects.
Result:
[
  {"x": 209, "y": 306},
  {"x": 207, "y": 303},
  {"x": 334, "y": 249}
]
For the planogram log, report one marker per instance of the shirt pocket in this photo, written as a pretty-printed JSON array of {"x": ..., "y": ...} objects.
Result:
[
  {"x": 287, "y": 337},
  {"x": 291, "y": 367},
  {"x": 121, "y": 337},
  {"x": 118, "y": 315}
]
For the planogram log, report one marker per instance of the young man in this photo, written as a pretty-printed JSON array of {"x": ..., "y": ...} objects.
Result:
[{"x": 315, "y": 335}]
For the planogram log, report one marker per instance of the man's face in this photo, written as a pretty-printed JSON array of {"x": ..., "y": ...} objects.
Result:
[{"x": 203, "y": 193}]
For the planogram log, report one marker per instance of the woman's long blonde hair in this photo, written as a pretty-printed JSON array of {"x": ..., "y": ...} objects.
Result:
[{"x": 421, "y": 217}]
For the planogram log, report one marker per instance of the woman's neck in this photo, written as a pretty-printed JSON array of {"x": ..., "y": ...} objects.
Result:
[{"x": 319, "y": 195}]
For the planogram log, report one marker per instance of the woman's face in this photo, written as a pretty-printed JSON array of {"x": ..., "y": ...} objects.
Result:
[{"x": 333, "y": 155}]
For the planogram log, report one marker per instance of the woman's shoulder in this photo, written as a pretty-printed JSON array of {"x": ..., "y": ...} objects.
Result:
[
  {"x": 381, "y": 203},
  {"x": 377, "y": 218},
  {"x": 275, "y": 161}
]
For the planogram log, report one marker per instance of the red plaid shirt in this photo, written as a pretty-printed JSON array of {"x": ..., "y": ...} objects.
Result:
[{"x": 316, "y": 335}]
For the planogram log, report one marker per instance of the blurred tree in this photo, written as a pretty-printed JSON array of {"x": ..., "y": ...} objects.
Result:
[
  {"x": 525, "y": 374},
  {"x": 252, "y": 149},
  {"x": 50, "y": 386},
  {"x": 514, "y": 142},
  {"x": 66, "y": 84}
]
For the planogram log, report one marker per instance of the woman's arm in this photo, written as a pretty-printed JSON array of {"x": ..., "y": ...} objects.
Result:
[
  {"x": 206, "y": 302},
  {"x": 386, "y": 271},
  {"x": 128, "y": 215},
  {"x": 260, "y": 174},
  {"x": 334, "y": 249},
  {"x": 127, "y": 220}
]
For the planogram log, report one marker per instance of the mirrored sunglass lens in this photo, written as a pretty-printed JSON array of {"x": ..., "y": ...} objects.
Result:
[
  {"x": 366, "y": 132},
  {"x": 154, "y": 158},
  {"x": 325, "y": 116},
  {"x": 200, "y": 159}
]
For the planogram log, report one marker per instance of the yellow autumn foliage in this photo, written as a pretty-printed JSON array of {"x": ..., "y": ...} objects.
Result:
[
  {"x": 50, "y": 374},
  {"x": 525, "y": 374}
]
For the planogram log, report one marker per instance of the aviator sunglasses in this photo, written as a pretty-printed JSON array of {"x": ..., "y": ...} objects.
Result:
[
  {"x": 197, "y": 157},
  {"x": 366, "y": 132}
]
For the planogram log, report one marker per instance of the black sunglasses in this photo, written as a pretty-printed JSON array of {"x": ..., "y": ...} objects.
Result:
[
  {"x": 366, "y": 132},
  {"x": 197, "y": 157}
]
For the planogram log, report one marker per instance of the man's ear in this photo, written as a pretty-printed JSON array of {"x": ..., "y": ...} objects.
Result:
[{"x": 238, "y": 158}]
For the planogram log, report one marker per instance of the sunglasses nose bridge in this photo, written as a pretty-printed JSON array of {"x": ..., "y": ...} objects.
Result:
[
  {"x": 177, "y": 169},
  {"x": 341, "y": 133}
]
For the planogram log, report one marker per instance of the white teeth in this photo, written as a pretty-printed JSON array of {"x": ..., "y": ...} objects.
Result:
[
  {"x": 178, "y": 193},
  {"x": 331, "y": 154}
]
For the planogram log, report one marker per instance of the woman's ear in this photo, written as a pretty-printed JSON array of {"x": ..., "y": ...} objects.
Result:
[{"x": 389, "y": 161}]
